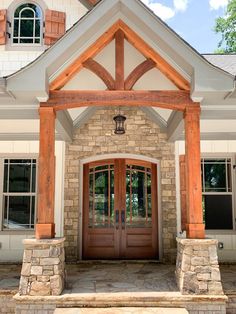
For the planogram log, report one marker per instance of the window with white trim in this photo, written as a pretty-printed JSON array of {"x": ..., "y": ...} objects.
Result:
[
  {"x": 19, "y": 193},
  {"x": 27, "y": 24},
  {"x": 217, "y": 192}
]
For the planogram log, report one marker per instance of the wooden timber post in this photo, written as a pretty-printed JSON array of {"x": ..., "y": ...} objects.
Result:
[
  {"x": 194, "y": 227},
  {"x": 45, "y": 227}
]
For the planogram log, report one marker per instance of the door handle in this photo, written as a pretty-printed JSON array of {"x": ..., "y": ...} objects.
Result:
[
  {"x": 117, "y": 219},
  {"x": 123, "y": 219}
]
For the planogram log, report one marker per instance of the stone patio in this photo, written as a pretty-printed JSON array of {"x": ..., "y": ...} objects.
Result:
[
  {"x": 87, "y": 277},
  {"x": 103, "y": 278}
]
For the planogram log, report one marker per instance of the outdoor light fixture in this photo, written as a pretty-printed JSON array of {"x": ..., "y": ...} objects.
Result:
[{"x": 120, "y": 127}]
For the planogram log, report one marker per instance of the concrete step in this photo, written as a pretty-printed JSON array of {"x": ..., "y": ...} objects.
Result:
[{"x": 122, "y": 310}]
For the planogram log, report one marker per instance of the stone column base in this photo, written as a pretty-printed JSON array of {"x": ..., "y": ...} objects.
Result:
[
  {"x": 197, "y": 268},
  {"x": 43, "y": 268}
]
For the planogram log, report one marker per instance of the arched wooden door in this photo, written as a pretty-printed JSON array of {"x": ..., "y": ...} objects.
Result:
[{"x": 120, "y": 210}]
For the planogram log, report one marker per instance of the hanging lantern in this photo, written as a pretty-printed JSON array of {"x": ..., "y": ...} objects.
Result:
[{"x": 120, "y": 121}]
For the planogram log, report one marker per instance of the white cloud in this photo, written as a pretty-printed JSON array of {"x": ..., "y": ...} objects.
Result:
[
  {"x": 162, "y": 11},
  {"x": 217, "y": 4},
  {"x": 181, "y": 5},
  {"x": 165, "y": 12}
]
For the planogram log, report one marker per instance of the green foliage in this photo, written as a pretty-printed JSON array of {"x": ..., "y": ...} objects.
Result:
[{"x": 226, "y": 26}]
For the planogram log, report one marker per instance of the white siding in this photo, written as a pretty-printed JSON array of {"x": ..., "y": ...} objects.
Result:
[
  {"x": 11, "y": 248},
  {"x": 228, "y": 238}
]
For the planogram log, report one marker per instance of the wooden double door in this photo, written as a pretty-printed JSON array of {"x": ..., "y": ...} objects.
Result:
[{"x": 120, "y": 210}]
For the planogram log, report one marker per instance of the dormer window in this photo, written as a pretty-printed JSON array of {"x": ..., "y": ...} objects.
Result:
[
  {"x": 27, "y": 24},
  {"x": 31, "y": 25}
]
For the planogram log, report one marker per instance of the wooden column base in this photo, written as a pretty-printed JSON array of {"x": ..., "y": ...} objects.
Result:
[
  {"x": 195, "y": 231},
  {"x": 45, "y": 231}
]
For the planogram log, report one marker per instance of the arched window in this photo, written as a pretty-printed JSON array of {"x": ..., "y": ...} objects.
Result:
[{"x": 27, "y": 24}]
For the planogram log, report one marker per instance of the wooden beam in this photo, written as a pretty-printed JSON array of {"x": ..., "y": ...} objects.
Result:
[
  {"x": 120, "y": 59},
  {"x": 138, "y": 72},
  {"x": 101, "y": 72},
  {"x": 91, "y": 52},
  {"x": 45, "y": 227},
  {"x": 194, "y": 227},
  {"x": 135, "y": 40},
  {"x": 174, "y": 100}
]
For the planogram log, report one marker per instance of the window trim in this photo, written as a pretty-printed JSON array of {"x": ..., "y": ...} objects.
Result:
[
  {"x": 34, "y": 19},
  {"x": 233, "y": 193},
  {"x": 16, "y": 156}
]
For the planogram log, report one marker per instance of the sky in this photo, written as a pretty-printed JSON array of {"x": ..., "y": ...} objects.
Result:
[{"x": 193, "y": 20}]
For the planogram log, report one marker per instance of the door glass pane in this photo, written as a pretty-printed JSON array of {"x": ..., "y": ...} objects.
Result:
[
  {"x": 101, "y": 197},
  {"x": 138, "y": 197}
]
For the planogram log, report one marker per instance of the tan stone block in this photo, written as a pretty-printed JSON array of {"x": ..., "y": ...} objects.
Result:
[
  {"x": 27, "y": 256},
  {"x": 43, "y": 278},
  {"x": 57, "y": 284},
  {"x": 204, "y": 276},
  {"x": 40, "y": 289},
  {"x": 215, "y": 287},
  {"x": 40, "y": 253},
  {"x": 49, "y": 261},
  {"x": 48, "y": 273},
  {"x": 215, "y": 274},
  {"x": 23, "y": 287},
  {"x": 36, "y": 270},
  {"x": 26, "y": 267}
]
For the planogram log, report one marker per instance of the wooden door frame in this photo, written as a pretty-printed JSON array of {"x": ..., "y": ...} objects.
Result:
[{"x": 82, "y": 162}]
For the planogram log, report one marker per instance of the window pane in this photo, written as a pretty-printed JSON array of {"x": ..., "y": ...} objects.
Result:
[
  {"x": 16, "y": 28},
  {"x": 32, "y": 212},
  {"x": 5, "y": 178},
  {"x": 19, "y": 212},
  {"x": 215, "y": 177},
  {"x": 149, "y": 197},
  {"x": 37, "y": 28},
  {"x": 26, "y": 41},
  {"x": 19, "y": 178},
  {"x": 5, "y": 208},
  {"x": 33, "y": 177},
  {"x": 26, "y": 28},
  {"x": 27, "y": 12},
  {"x": 218, "y": 211},
  {"x": 101, "y": 198},
  {"x": 25, "y": 9},
  {"x": 229, "y": 176}
]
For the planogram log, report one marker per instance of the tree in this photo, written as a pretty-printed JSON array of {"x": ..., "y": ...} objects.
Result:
[{"x": 226, "y": 26}]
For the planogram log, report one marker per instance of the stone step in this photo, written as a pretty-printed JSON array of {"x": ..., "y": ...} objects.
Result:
[{"x": 122, "y": 310}]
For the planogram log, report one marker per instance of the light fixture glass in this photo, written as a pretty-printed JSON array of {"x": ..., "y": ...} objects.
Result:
[{"x": 120, "y": 124}]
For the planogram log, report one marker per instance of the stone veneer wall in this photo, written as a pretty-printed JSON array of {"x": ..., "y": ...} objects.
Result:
[
  {"x": 197, "y": 267},
  {"x": 142, "y": 137},
  {"x": 43, "y": 267}
]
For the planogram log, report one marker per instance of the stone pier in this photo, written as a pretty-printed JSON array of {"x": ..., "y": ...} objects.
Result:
[
  {"x": 197, "y": 267},
  {"x": 43, "y": 268}
]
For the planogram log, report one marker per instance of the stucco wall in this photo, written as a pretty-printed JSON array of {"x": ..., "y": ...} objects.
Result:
[{"x": 97, "y": 138}]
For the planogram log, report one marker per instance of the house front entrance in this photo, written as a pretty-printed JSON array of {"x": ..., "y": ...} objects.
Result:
[{"x": 120, "y": 210}]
